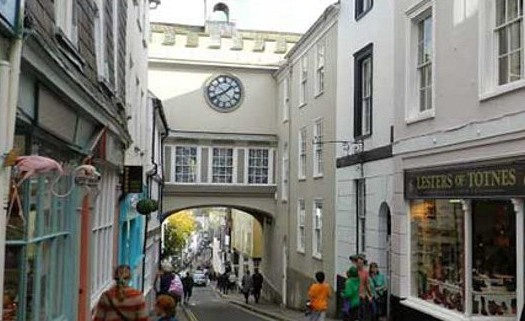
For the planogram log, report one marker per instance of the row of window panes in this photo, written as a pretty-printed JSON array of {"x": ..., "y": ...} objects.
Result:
[
  {"x": 317, "y": 226},
  {"x": 222, "y": 165}
]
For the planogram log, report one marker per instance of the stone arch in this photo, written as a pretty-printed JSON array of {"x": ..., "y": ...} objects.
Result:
[{"x": 261, "y": 216}]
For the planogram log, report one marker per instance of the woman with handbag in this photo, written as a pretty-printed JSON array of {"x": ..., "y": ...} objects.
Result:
[{"x": 121, "y": 302}]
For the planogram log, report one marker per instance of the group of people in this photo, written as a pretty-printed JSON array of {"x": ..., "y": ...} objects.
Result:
[
  {"x": 252, "y": 284},
  {"x": 364, "y": 295},
  {"x": 365, "y": 292},
  {"x": 122, "y": 302}
]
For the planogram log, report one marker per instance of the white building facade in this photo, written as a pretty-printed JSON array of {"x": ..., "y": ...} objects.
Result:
[
  {"x": 365, "y": 112},
  {"x": 458, "y": 224},
  {"x": 306, "y": 123}
]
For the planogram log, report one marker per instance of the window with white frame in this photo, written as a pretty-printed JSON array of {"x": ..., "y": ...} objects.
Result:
[
  {"x": 363, "y": 91},
  {"x": 100, "y": 41},
  {"x": 303, "y": 91},
  {"x": 222, "y": 165},
  {"x": 301, "y": 231},
  {"x": 501, "y": 46},
  {"x": 317, "y": 215},
  {"x": 258, "y": 166},
  {"x": 102, "y": 223},
  {"x": 508, "y": 32},
  {"x": 66, "y": 19},
  {"x": 318, "y": 147},
  {"x": 302, "y": 153},
  {"x": 286, "y": 98},
  {"x": 319, "y": 70},
  {"x": 362, "y": 7},
  {"x": 424, "y": 62},
  {"x": 284, "y": 173},
  {"x": 361, "y": 214},
  {"x": 186, "y": 164},
  {"x": 420, "y": 61}
]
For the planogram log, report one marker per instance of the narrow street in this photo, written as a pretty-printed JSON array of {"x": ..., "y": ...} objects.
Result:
[{"x": 207, "y": 305}]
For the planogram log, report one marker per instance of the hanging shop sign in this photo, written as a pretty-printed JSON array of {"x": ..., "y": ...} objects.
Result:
[
  {"x": 9, "y": 16},
  {"x": 132, "y": 182},
  {"x": 480, "y": 181}
]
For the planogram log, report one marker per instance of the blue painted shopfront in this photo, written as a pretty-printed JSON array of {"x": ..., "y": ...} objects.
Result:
[{"x": 131, "y": 237}]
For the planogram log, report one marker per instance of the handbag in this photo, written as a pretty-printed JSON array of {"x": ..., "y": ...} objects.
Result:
[{"x": 120, "y": 314}]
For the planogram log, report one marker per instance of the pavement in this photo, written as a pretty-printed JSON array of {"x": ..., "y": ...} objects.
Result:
[{"x": 264, "y": 308}]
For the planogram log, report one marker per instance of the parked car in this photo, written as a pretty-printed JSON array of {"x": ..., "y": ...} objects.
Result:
[{"x": 200, "y": 278}]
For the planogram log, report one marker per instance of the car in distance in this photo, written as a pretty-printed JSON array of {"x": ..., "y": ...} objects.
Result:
[{"x": 199, "y": 278}]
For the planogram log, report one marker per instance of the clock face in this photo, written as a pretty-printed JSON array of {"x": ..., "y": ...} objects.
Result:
[{"x": 224, "y": 93}]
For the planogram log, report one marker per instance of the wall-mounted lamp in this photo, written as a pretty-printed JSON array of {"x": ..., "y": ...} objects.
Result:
[
  {"x": 153, "y": 4},
  {"x": 349, "y": 147}
]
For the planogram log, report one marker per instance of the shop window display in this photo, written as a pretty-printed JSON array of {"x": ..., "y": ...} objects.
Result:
[
  {"x": 438, "y": 252},
  {"x": 494, "y": 258}
]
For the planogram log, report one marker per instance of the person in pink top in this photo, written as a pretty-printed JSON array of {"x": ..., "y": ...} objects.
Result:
[{"x": 365, "y": 292}]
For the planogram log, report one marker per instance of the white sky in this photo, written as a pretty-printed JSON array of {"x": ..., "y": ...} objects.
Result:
[{"x": 269, "y": 15}]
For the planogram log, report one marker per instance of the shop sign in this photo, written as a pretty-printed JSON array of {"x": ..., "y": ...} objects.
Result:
[
  {"x": 9, "y": 15},
  {"x": 505, "y": 180},
  {"x": 132, "y": 182}
]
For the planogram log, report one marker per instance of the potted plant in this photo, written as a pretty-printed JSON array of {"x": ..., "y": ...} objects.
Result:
[{"x": 146, "y": 206}]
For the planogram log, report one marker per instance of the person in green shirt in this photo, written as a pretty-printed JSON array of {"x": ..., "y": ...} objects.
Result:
[
  {"x": 378, "y": 287},
  {"x": 351, "y": 295}
]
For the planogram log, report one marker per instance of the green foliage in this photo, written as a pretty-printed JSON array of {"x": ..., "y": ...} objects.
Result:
[
  {"x": 146, "y": 206},
  {"x": 179, "y": 228}
]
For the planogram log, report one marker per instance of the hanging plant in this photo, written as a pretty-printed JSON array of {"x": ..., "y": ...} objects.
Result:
[{"x": 146, "y": 206}]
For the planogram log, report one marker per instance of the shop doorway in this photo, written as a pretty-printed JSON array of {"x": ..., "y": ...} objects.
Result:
[{"x": 385, "y": 231}]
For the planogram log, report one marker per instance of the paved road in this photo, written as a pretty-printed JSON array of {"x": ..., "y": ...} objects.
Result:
[{"x": 206, "y": 305}]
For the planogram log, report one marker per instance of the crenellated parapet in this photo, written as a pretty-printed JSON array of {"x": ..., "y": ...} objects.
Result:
[{"x": 175, "y": 41}]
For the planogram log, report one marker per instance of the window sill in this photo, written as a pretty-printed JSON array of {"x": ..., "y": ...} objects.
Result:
[
  {"x": 302, "y": 105},
  {"x": 108, "y": 88},
  {"x": 426, "y": 115},
  {"x": 317, "y": 176},
  {"x": 285, "y": 121},
  {"x": 433, "y": 310},
  {"x": 301, "y": 179},
  {"x": 284, "y": 200},
  {"x": 69, "y": 49},
  {"x": 319, "y": 94},
  {"x": 300, "y": 251},
  {"x": 501, "y": 90},
  {"x": 317, "y": 256}
]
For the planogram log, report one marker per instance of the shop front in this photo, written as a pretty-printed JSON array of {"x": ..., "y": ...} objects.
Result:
[{"x": 465, "y": 236}]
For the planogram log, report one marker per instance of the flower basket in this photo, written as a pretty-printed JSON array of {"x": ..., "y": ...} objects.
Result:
[{"x": 146, "y": 206}]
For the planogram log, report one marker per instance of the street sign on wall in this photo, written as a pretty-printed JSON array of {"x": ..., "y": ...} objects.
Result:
[
  {"x": 132, "y": 182},
  {"x": 9, "y": 15}
]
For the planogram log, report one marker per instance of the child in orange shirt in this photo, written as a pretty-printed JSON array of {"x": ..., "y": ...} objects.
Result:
[{"x": 319, "y": 293}]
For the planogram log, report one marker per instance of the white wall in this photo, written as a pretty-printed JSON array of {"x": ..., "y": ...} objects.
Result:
[{"x": 181, "y": 89}]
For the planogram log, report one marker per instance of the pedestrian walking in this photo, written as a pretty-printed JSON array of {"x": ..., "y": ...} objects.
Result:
[
  {"x": 247, "y": 285},
  {"x": 350, "y": 295},
  {"x": 365, "y": 292},
  {"x": 187, "y": 286},
  {"x": 318, "y": 294},
  {"x": 176, "y": 289},
  {"x": 121, "y": 302},
  {"x": 232, "y": 281},
  {"x": 257, "y": 283},
  {"x": 223, "y": 280},
  {"x": 163, "y": 279},
  {"x": 379, "y": 293},
  {"x": 165, "y": 308}
]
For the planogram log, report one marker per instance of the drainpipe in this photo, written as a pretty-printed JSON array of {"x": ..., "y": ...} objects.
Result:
[
  {"x": 9, "y": 77},
  {"x": 150, "y": 178}
]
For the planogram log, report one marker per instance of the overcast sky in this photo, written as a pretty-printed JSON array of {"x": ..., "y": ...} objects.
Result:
[{"x": 271, "y": 15}]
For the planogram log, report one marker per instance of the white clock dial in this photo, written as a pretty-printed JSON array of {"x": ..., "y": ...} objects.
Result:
[{"x": 224, "y": 92}]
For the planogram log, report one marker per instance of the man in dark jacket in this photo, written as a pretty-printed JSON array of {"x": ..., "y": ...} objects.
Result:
[
  {"x": 165, "y": 277},
  {"x": 187, "y": 286},
  {"x": 257, "y": 283}
]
